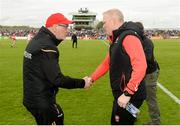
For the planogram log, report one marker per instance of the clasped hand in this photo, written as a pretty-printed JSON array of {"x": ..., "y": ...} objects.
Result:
[{"x": 88, "y": 82}]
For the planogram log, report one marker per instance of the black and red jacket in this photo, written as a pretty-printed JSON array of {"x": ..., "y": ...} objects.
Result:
[
  {"x": 42, "y": 75},
  {"x": 126, "y": 69},
  {"x": 120, "y": 64}
]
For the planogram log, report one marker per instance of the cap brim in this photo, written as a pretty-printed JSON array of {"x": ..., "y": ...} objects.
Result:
[{"x": 67, "y": 22}]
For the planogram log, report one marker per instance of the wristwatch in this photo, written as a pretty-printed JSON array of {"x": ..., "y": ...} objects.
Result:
[{"x": 127, "y": 94}]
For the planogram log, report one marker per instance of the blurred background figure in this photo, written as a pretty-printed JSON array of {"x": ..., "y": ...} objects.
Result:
[
  {"x": 74, "y": 40},
  {"x": 13, "y": 37},
  {"x": 29, "y": 36}
]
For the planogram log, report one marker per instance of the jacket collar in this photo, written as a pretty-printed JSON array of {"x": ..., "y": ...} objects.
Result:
[
  {"x": 51, "y": 35},
  {"x": 118, "y": 31},
  {"x": 126, "y": 26}
]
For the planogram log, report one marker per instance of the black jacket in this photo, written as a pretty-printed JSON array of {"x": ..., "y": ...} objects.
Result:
[
  {"x": 152, "y": 64},
  {"x": 41, "y": 72},
  {"x": 120, "y": 65},
  {"x": 74, "y": 38}
]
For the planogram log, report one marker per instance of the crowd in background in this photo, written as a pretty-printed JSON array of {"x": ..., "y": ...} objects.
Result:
[
  {"x": 163, "y": 33},
  {"x": 20, "y": 32},
  {"x": 84, "y": 33}
]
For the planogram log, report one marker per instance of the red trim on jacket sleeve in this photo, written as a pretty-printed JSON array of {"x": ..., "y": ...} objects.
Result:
[
  {"x": 134, "y": 49},
  {"x": 101, "y": 69}
]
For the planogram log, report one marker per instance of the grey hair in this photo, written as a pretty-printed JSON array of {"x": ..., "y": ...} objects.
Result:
[{"x": 115, "y": 13}]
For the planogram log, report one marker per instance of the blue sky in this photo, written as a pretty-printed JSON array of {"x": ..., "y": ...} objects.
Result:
[{"x": 153, "y": 13}]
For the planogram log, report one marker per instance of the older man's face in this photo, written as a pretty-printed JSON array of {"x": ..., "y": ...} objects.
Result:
[
  {"x": 61, "y": 31},
  {"x": 107, "y": 25}
]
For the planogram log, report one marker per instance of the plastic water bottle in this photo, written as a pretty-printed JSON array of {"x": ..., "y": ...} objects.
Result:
[{"x": 132, "y": 109}]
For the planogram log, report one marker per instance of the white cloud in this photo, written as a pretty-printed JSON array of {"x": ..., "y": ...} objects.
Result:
[{"x": 153, "y": 13}]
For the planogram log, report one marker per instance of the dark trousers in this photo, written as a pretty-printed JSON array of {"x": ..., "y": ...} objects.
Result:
[
  {"x": 52, "y": 115},
  {"x": 121, "y": 116},
  {"x": 74, "y": 42},
  {"x": 151, "y": 99}
]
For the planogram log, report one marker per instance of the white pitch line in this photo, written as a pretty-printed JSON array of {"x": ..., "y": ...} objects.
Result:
[
  {"x": 165, "y": 90},
  {"x": 105, "y": 43},
  {"x": 176, "y": 99}
]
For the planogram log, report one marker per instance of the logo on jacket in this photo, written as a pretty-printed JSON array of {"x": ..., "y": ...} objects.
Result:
[
  {"x": 27, "y": 55},
  {"x": 116, "y": 40}
]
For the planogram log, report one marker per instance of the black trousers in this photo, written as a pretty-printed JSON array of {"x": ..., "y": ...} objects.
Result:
[
  {"x": 74, "y": 42},
  {"x": 121, "y": 116},
  {"x": 52, "y": 115}
]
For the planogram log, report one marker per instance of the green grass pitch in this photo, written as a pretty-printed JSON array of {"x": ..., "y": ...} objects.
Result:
[{"x": 80, "y": 106}]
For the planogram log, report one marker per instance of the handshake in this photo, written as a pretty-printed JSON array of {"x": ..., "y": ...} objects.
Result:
[{"x": 88, "y": 82}]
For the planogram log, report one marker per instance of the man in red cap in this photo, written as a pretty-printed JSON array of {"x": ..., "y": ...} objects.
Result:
[{"x": 42, "y": 75}]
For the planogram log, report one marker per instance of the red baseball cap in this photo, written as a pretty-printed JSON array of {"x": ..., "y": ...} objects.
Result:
[{"x": 57, "y": 18}]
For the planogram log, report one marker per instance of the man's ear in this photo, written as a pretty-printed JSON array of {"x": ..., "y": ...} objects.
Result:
[{"x": 54, "y": 27}]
